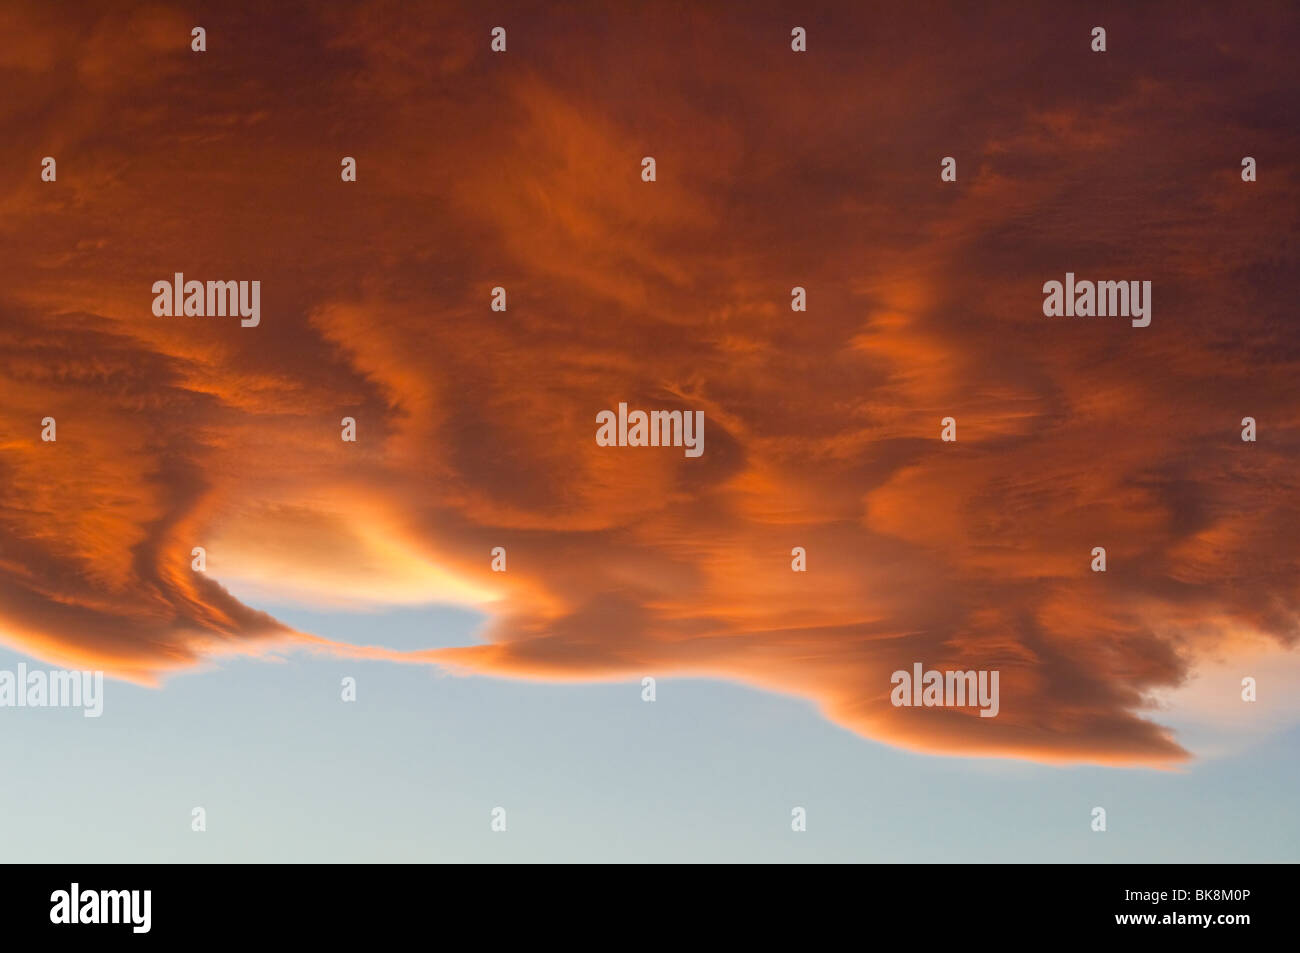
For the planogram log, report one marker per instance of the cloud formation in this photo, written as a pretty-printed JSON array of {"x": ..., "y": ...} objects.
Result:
[{"x": 476, "y": 428}]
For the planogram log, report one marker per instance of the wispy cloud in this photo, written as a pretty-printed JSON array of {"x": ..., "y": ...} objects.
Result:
[{"x": 476, "y": 427}]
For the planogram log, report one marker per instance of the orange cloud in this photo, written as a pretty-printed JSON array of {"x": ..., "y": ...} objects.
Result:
[{"x": 476, "y": 428}]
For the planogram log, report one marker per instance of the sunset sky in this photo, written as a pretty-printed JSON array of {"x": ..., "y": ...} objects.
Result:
[{"x": 475, "y": 429}]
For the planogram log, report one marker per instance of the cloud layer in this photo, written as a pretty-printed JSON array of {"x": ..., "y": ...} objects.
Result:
[{"x": 476, "y": 428}]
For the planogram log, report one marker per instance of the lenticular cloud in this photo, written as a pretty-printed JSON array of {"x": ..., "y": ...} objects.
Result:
[{"x": 476, "y": 429}]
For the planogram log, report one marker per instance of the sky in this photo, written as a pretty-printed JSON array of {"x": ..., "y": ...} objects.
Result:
[{"x": 328, "y": 559}]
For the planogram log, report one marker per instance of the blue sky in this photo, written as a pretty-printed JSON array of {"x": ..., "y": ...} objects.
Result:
[{"x": 709, "y": 772}]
